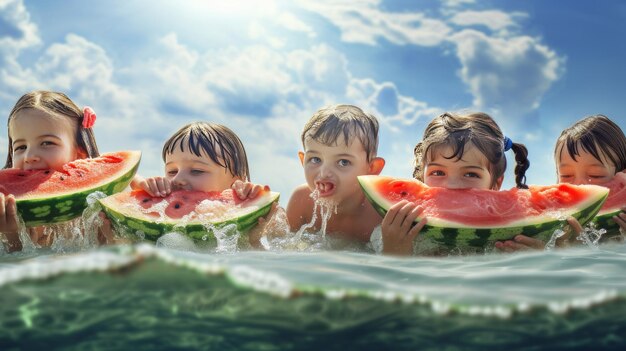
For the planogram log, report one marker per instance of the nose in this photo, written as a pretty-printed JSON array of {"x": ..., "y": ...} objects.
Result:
[
  {"x": 579, "y": 180},
  {"x": 31, "y": 156},
  {"x": 325, "y": 171},
  {"x": 455, "y": 184},
  {"x": 179, "y": 180}
]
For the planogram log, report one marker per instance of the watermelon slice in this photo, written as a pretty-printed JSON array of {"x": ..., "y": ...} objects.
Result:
[
  {"x": 612, "y": 206},
  {"x": 473, "y": 219},
  {"x": 45, "y": 196},
  {"x": 193, "y": 213}
]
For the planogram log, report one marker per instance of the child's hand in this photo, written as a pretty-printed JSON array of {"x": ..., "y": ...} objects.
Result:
[
  {"x": 520, "y": 243},
  {"x": 247, "y": 190},
  {"x": 398, "y": 230},
  {"x": 267, "y": 226},
  {"x": 524, "y": 243},
  {"x": 8, "y": 214},
  {"x": 8, "y": 222},
  {"x": 105, "y": 233},
  {"x": 620, "y": 219},
  {"x": 155, "y": 186}
]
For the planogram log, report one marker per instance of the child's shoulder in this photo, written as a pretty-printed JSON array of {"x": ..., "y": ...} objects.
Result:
[{"x": 302, "y": 193}]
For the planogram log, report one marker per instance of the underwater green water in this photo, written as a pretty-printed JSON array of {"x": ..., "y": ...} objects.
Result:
[{"x": 144, "y": 297}]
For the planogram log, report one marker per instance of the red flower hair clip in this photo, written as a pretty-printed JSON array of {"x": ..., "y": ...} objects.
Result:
[{"x": 89, "y": 117}]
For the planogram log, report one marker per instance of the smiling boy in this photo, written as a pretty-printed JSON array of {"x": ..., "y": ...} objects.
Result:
[{"x": 340, "y": 143}]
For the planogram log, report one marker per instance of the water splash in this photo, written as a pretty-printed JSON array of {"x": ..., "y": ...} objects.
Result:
[
  {"x": 551, "y": 244},
  {"x": 591, "y": 235},
  {"x": 304, "y": 239}
]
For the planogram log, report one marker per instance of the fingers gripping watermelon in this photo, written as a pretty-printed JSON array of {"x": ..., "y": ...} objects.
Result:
[
  {"x": 45, "y": 196},
  {"x": 472, "y": 219},
  {"x": 194, "y": 213},
  {"x": 612, "y": 206}
]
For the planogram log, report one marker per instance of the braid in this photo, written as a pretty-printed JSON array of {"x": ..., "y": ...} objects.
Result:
[{"x": 521, "y": 165}]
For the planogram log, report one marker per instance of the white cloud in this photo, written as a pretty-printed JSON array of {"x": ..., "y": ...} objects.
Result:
[
  {"x": 383, "y": 99},
  {"x": 493, "y": 19},
  {"x": 289, "y": 21},
  {"x": 506, "y": 74},
  {"x": 363, "y": 22},
  {"x": 457, "y": 3}
]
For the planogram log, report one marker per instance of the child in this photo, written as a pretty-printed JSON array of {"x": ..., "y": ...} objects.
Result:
[
  {"x": 205, "y": 157},
  {"x": 457, "y": 152},
  {"x": 46, "y": 130},
  {"x": 340, "y": 143},
  {"x": 592, "y": 151}
]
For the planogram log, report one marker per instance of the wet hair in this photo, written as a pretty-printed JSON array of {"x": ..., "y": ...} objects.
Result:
[
  {"x": 597, "y": 135},
  {"x": 214, "y": 140},
  {"x": 56, "y": 106},
  {"x": 330, "y": 123},
  {"x": 481, "y": 130}
]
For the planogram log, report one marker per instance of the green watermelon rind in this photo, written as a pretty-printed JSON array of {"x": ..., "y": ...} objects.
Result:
[
  {"x": 604, "y": 220},
  {"x": 455, "y": 236},
  {"x": 61, "y": 208},
  {"x": 152, "y": 230}
]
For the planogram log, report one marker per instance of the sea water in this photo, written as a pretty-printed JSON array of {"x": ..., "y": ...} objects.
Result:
[{"x": 310, "y": 295}]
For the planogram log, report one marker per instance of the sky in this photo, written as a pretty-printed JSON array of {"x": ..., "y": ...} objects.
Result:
[{"x": 264, "y": 67}]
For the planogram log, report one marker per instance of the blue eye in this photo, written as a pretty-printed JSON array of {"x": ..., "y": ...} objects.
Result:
[
  {"x": 437, "y": 173},
  {"x": 343, "y": 163},
  {"x": 315, "y": 160},
  {"x": 472, "y": 175}
]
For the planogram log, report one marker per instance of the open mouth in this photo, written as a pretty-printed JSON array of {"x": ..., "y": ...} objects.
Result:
[{"x": 325, "y": 188}]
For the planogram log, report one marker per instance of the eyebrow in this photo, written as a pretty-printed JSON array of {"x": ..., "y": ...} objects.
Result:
[
  {"x": 464, "y": 167},
  {"x": 39, "y": 137},
  {"x": 345, "y": 155},
  {"x": 597, "y": 164},
  {"x": 192, "y": 162}
]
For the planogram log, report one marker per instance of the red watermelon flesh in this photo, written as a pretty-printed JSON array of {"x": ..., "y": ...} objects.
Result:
[
  {"x": 482, "y": 207},
  {"x": 179, "y": 204},
  {"x": 45, "y": 196},
  {"x": 191, "y": 212},
  {"x": 617, "y": 195},
  {"x": 76, "y": 175}
]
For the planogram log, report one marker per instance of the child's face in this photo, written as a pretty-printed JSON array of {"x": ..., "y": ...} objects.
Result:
[
  {"x": 586, "y": 169},
  {"x": 187, "y": 171},
  {"x": 40, "y": 142},
  {"x": 470, "y": 172},
  {"x": 333, "y": 170}
]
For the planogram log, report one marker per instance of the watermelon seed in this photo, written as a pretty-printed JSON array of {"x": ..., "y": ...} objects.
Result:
[
  {"x": 46, "y": 172},
  {"x": 177, "y": 206},
  {"x": 403, "y": 193},
  {"x": 145, "y": 200},
  {"x": 61, "y": 177}
]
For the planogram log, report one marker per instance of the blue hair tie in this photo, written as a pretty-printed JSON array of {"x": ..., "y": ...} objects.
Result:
[{"x": 508, "y": 143}]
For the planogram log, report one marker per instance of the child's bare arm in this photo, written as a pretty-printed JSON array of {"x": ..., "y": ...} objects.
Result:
[
  {"x": 300, "y": 208},
  {"x": 155, "y": 186},
  {"x": 398, "y": 230}
]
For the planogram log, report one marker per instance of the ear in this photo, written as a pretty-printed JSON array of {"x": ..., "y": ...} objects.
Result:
[
  {"x": 81, "y": 154},
  {"x": 376, "y": 166},
  {"x": 498, "y": 183},
  {"x": 301, "y": 156}
]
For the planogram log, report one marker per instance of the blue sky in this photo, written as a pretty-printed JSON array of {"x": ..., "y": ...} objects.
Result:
[{"x": 264, "y": 67}]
